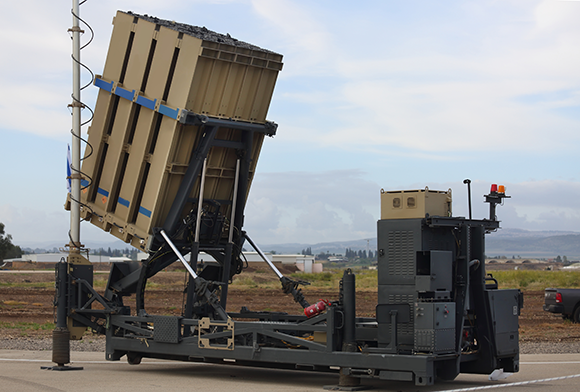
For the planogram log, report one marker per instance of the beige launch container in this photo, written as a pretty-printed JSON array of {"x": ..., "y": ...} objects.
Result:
[
  {"x": 155, "y": 73},
  {"x": 415, "y": 203}
]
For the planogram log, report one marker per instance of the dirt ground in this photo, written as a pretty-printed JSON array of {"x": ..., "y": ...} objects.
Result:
[{"x": 30, "y": 300}]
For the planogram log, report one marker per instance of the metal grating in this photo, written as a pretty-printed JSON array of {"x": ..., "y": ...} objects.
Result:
[
  {"x": 404, "y": 329},
  {"x": 166, "y": 329}
]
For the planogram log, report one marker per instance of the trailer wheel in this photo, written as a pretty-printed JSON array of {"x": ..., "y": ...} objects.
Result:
[{"x": 576, "y": 316}]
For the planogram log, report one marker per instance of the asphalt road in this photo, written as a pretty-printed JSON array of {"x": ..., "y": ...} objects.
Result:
[{"x": 21, "y": 371}]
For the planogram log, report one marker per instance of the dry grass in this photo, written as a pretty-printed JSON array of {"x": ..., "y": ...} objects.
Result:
[{"x": 537, "y": 280}]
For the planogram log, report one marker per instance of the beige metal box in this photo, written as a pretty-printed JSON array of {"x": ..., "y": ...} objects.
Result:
[
  {"x": 415, "y": 203},
  {"x": 157, "y": 74}
]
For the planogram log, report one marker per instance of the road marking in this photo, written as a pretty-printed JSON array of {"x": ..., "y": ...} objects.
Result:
[
  {"x": 547, "y": 363},
  {"x": 512, "y": 384},
  {"x": 103, "y": 362}
]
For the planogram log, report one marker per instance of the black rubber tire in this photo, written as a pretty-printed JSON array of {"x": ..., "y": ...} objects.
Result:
[{"x": 576, "y": 315}]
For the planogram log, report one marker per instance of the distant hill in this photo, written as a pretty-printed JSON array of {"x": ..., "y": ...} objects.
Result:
[
  {"x": 337, "y": 247},
  {"x": 49, "y": 247},
  {"x": 539, "y": 244},
  {"x": 515, "y": 233},
  {"x": 506, "y": 242}
]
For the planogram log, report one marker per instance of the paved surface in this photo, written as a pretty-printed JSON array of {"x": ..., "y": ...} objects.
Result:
[{"x": 20, "y": 371}]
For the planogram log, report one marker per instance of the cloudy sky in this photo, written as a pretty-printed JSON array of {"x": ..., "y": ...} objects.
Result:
[{"x": 374, "y": 95}]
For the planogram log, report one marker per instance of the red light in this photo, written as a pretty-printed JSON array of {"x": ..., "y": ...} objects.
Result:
[
  {"x": 493, "y": 188},
  {"x": 558, "y": 298}
]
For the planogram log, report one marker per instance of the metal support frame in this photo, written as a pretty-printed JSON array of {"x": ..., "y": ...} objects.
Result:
[
  {"x": 339, "y": 332},
  {"x": 189, "y": 179},
  {"x": 326, "y": 342},
  {"x": 228, "y": 249},
  {"x": 199, "y": 281}
]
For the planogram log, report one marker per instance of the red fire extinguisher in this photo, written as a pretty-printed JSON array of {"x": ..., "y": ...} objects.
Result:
[{"x": 316, "y": 308}]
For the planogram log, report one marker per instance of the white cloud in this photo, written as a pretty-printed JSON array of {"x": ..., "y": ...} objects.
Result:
[
  {"x": 31, "y": 224},
  {"x": 303, "y": 36},
  {"x": 315, "y": 207},
  {"x": 453, "y": 116},
  {"x": 402, "y": 98},
  {"x": 556, "y": 14},
  {"x": 312, "y": 207},
  {"x": 534, "y": 204},
  {"x": 464, "y": 100}
]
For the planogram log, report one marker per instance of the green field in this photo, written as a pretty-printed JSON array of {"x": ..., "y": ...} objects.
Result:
[
  {"x": 518, "y": 279},
  {"x": 537, "y": 280}
]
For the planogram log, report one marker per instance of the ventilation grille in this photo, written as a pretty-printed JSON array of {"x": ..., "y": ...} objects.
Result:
[{"x": 401, "y": 253}]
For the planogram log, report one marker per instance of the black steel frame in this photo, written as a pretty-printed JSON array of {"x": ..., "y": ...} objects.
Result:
[{"x": 335, "y": 341}]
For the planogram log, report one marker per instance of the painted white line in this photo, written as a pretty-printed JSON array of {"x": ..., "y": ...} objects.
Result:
[
  {"x": 97, "y": 362},
  {"x": 549, "y": 363},
  {"x": 512, "y": 384}
]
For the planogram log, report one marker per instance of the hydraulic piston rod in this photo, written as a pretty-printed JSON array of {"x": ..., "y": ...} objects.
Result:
[
  {"x": 270, "y": 264},
  {"x": 289, "y": 286},
  {"x": 212, "y": 300},
  {"x": 179, "y": 255}
]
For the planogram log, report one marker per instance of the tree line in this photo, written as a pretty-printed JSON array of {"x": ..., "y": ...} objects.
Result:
[
  {"x": 127, "y": 252},
  {"x": 7, "y": 249},
  {"x": 349, "y": 254},
  {"x": 360, "y": 254}
]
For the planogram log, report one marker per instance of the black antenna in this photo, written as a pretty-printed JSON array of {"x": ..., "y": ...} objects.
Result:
[{"x": 468, "y": 182}]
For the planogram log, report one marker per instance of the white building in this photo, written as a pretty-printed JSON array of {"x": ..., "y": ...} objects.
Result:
[{"x": 303, "y": 263}]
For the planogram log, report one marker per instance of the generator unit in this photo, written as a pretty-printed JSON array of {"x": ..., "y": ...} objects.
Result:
[{"x": 178, "y": 127}]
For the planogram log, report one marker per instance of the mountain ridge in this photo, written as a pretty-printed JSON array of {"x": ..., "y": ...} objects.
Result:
[{"x": 505, "y": 242}]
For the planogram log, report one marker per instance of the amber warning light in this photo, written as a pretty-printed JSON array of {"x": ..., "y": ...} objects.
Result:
[{"x": 497, "y": 189}]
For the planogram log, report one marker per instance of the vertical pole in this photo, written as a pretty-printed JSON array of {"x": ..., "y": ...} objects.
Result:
[
  {"x": 76, "y": 131},
  {"x": 349, "y": 304},
  {"x": 468, "y": 182},
  {"x": 200, "y": 201},
  {"x": 61, "y": 333},
  {"x": 191, "y": 296},
  {"x": 229, "y": 246},
  {"x": 345, "y": 379},
  {"x": 234, "y": 203}
]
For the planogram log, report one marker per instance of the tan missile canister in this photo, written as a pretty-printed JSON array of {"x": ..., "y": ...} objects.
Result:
[
  {"x": 415, "y": 203},
  {"x": 157, "y": 73}
]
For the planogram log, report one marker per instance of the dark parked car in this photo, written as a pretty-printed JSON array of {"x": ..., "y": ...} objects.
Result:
[{"x": 563, "y": 301}]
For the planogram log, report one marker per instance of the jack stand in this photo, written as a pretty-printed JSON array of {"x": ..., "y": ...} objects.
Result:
[
  {"x": 61, "y": 334},
  {"x": 346, "y": 382}
]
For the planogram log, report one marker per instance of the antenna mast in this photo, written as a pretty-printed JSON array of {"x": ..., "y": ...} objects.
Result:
[
  {"x": 61, "y": 333},
  {"x": 75, "y": 210}
]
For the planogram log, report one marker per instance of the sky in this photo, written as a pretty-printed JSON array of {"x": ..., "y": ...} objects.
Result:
[{"x": 373, "y": 95}]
